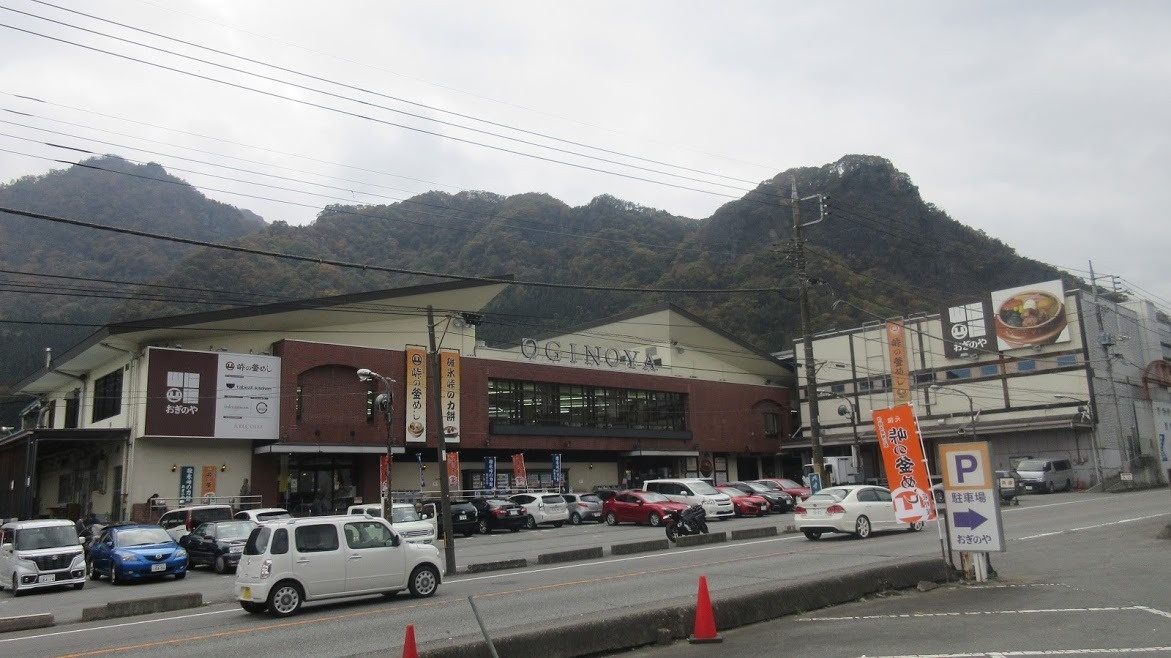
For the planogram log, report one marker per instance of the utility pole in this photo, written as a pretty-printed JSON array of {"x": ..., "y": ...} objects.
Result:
[
  {"x": 807, "y": 335},
  {"x": 1107, "y": 341},
  {"x": 441, "y": 447}
]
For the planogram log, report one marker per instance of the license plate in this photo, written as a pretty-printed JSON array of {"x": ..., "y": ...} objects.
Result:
[
  {"x": 463, "y": 517},
  {"x": 513, "y": 512},
  {"x": 158, "y": 567},
  {"x": 47, "y": 578},
  {"x": 246, "y": 593},
  {"x": 815, "y": 512},
  {"x": 1007, "y": 483},
  {"x": 236, "y": 549}
]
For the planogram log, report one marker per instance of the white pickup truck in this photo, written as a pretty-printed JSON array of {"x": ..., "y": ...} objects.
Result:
[{"x": 406, "y": 521}]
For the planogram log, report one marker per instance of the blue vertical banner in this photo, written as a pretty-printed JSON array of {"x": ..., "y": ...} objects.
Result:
[
  {"x": 490, "y": 473},
  {"x": 557, "y": 470},
  {"x": 186, "y": 484},
  {"x": 422, "y": 479}
]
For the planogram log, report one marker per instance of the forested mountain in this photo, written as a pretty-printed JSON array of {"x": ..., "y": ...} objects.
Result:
[{"x": 881, "y": 248}]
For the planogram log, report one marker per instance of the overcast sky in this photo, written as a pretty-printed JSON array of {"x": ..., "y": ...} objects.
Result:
[{"x": 1044, "y": 124}]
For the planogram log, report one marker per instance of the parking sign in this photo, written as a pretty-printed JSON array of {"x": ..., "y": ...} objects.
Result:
[{"x": 973, "y": 500}]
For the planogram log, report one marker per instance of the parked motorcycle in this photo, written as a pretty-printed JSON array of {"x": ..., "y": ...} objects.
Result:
[{"x": 691, "y": 521}]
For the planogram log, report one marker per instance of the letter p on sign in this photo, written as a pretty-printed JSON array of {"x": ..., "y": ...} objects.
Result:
[{"x": 966, "y": 469}]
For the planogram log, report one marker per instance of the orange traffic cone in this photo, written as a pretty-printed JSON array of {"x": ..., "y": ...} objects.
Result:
[
  {"x": 409, "y": 650},
  {"x": 705, "y": 621}
]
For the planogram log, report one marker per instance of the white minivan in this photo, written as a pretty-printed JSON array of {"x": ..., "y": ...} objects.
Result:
[
  {"x": 44, "y": 553},
  {"x": 692, "y": 491},
  {"x": 290, "y": 561},
  {"x": 407, "y": 522}
]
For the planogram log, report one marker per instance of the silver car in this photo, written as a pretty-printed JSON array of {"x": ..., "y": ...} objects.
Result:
[{"x": 583, "y": 507}]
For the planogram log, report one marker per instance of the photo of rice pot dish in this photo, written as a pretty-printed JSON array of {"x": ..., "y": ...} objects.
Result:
[{"x": 1029, "y": 309}]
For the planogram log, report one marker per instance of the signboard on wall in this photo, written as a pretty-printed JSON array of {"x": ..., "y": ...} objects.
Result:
[
  {"x": 415, "y": 417},
  {"x": 968, "y": 330},
  {"x": 896, "y": 344},
  {"x": 212, "y": 394},
  {"x": 1163, "y": 432},
  {"x": 449, "y": 395},
  {"x": 1009, "y": 319}
]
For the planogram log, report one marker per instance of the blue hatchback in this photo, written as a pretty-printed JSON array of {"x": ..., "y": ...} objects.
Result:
[{"x": 136, "y": 551}]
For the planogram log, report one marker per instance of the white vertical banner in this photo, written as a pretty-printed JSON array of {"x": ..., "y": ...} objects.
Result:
[
  {"x": 1162, "y": 413},
  {"x": 449, "y": 395},
  {"x": 415, "y": 417}
]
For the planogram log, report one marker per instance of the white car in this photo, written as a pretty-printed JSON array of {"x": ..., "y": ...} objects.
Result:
[
  {"x": 288, "y": 562},
  {"x": 694, "y": 491},
  {"x": 407, "y": 522},
  {"x": 263, "y": 514},
  {"x": 44, "y": 553},
  {"x": 542, "y": 508},
  {"x": 855, "y": 509}
]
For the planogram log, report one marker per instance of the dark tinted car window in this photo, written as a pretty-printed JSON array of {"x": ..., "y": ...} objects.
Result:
[
  {"x": 211, "y": 514},
  {"x": 316, "y": 538},
  {"x": 280, "y": 542},
  {"x": 257, "y": 541}
]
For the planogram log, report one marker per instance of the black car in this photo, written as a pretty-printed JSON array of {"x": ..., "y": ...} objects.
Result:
[
  {"x": 218, "y": 544},
  {"x": 499, "y": 514},
  {"x": 779, "y": 501},
  {"x": 464, "y": 517}
]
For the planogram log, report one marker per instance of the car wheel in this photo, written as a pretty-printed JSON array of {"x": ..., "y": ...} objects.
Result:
[
  {"x": 93, "y": 573},
  {"x": 468, "y": 533},
  {"x": 424, "y": 581},
  {"x": 812, "y": 534},
  {"x": 915, "y": 527},
  {"x": 1068, "y": 485},
  {"x": 253, "y": 607},
  {"x": 1048, "y": 487},
  {"x": 514, "y": 529},
  {"x": 114, "y": 579},
  {"x": 862, "y": 527},
  {"x": 654, "y": 519},
  {"x": 611, "y": 519},
  {"x": 15, "y": 590},
  {"x": 558, "y": 524},
  {"x": 484, "y": 529},
  {"x": 284, "y": 599},
  {"x": 181, "y": 575},
  {"x": 221, "y": 565},
  {"x": 575, "y": 519},
  {"x": 531, "y": 523}
]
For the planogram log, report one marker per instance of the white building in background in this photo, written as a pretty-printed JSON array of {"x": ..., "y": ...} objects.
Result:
[{"x": 1089, "y": 382}]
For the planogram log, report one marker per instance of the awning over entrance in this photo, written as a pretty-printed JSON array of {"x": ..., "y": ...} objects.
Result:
[
  {"x": 325, "y": 448},
  {"x": 660, "y": 453}
]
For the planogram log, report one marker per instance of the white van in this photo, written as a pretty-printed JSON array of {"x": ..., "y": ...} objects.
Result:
[
  {"x": 694, "y": 491},
  {"x": 406, "y": 521},
  {"x": 1047, "y": 475},
  {"x": 290, "y": 561},
  {"x": 45, "y": 553}
]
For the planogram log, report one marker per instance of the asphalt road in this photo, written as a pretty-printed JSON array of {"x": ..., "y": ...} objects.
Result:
[{"x": 540, "y": 596}]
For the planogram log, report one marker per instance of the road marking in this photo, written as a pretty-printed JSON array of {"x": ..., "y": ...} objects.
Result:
[
  {"x": 1091, "y": 527},
  {"x": 1153, "y": 611},
  {"x": 977, "y": 613},
  {"x": 1034, "y": 652}
]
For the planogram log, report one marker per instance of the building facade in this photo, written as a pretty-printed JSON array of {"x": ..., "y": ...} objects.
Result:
[{"x": 264, "y": 404}]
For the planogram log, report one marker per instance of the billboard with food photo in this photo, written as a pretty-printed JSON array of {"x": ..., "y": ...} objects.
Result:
[{"x": 1030, "y": 316}]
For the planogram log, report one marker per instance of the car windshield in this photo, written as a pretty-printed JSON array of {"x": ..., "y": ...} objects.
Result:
[
  {"x": 1031, "y": 465},
  {"x": 141, "y": 537},
  {"x": 757, "y": 487},
  {"x": 703, "y": 488},
  {"x": 235, "y": 530},
  {"x": 790, "y": 484},
  {"x": 272, "y": 516},
  {"x": 552, "y": 499},
  {"x": 404, "y": 514},
  {"x": 31, "y": 539},
  {"x": 590, "y": 498},
  {"x": 495, "y": 502},
  {"x": 654, "y": 497},
  {"x": 733, "y": 492}
]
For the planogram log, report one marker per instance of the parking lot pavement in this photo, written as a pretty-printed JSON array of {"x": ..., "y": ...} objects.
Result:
[{"x": 1081, "y": 592}]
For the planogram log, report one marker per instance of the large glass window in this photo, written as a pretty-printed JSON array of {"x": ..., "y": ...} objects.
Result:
[
  {"x": 513, "y": 402},
  {"x": 108, "y": 396}
]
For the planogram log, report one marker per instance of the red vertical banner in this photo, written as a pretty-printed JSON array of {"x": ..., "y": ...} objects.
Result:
[
  {"x": 902, "y": 456},
  {"x": 449, "y": 395},
  {"x": 453, "y": 470},
  {"x": 383, "y": 469},
  {"x": 520, "y": 479},
  {"x": 900, "y": 377}
]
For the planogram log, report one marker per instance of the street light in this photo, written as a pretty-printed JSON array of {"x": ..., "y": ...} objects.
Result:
[
  {"x": 852, "y": 410},
  {"x": 1084, "y": 407},
  {"x": 971, "y": 405},
  {"x": 385, "y": 402}
]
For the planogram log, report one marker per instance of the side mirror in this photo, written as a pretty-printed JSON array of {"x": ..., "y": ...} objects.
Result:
[
  {"x": 81, "y": 541},
  {"x": 395, "y": 540},
  {"x": 5, "y": 547}
]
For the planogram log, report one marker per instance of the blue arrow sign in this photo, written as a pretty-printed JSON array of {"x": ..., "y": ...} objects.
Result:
[{"x": 970, "y": 519}]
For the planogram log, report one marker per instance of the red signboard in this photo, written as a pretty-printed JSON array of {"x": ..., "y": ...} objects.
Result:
[
  {"x": 453, "y": 470},
  {"x": 520, "y": 479},
  {"x": 902, "y": 456}
]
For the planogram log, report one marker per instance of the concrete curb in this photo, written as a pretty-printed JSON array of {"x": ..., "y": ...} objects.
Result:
[
  {"x": 755, "y": 533},
  {"x": 479, "y": 567},
  {"x": 683, "y": 541},
  {"x": 570, "y": 556},
  {"x": 640, "y": 547},
  {"x": 25, "y": 622},
  {"x": 142, "y": 606},
  {"x": 627, "y": 628}
]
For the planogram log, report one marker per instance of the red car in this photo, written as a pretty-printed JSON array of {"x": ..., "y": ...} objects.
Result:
[
  {"x": 797, "y": 490},
  {"x": 637, "y": 506},
  {"x": 746, "y": 504}
]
